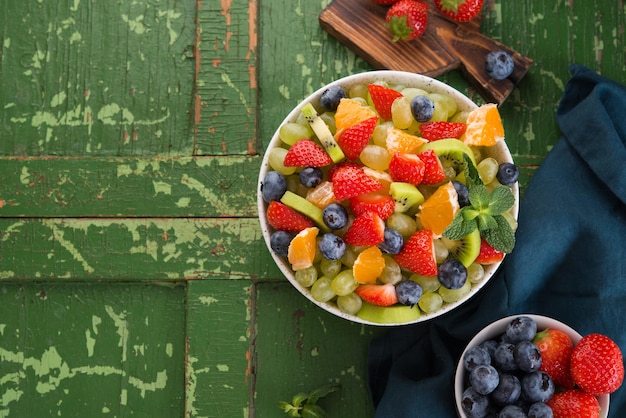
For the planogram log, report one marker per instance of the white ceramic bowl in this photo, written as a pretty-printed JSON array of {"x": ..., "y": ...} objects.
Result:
[
  {"x": 500, "y": 152},
  {"x": 498, "y": 327}
]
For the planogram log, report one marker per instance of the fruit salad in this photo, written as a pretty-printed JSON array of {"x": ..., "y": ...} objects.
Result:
[{"x": 387, "y": 201}]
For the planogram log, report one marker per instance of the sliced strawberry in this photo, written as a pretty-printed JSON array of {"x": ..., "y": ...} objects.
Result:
[
  {"x": 367, "y": 229},
  {"x": 350, "y": 181},
  {"x": 381, "y": 204},
  {"x": 383, "y": 97},
  {"x": 418, "y": 254},
  {"x": 378, "y": 294},
  {"x": 407, "y": 168},
  {"x": 306, "y": 153},
  {"x": 433, "y": 131},
  {"x": 352, "y": 140},
  {"x": 433, "y": 171},
  {"x": 488, "y": 254},
  {"x": 332, "y": 170},
  {"x": 283, "y": 218},
  {"x": 556, "y": 347}
]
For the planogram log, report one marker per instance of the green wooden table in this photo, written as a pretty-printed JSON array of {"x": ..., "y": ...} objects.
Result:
[{"x": 134, "y": 280}]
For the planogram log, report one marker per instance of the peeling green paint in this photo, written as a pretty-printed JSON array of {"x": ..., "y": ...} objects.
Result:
[{"x": 208, "y": 300}]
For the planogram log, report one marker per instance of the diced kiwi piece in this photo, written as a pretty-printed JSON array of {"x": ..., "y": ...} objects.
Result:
[
  {"x": 305, "y": 207},
  {"x": 465, "y": 249},
  {"x": 405, "y": 195},
  {"x": 396, "y": 314},
  {"x": 450, "y": 152},
  {"x": 323, "y": 133}
]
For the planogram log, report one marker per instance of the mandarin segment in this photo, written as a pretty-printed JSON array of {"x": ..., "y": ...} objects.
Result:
[
  {"x": 484, "y": 126},
  {"x": 403, "y": 142},
  {"x": 349, "y": 113},
  {"x": 303, "y": 248},
  {"x": 368, "y": 265},
  {"x": 438, "y": 211}
]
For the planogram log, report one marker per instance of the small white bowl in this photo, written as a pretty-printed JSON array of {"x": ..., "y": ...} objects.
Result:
[
  {"x": 497, "y": 328},
  {"x": 500, "y": 152}
]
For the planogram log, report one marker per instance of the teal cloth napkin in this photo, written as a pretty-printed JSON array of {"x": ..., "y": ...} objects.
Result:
[{"x": 569, "y": 261}]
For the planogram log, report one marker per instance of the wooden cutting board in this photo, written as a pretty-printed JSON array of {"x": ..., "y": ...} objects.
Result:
[{"x": 446, "y": 45}]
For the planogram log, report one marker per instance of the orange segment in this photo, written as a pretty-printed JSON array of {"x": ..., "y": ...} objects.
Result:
[
  {"x": 322, "y": 195},
  {"x": 403, "y": 142},
  {"x": 350, "y": 112},
  {"x": 484, "y": 126},
  {"x": 438, "y": 211},
  {"x": 368, "y": 265},
  {"x": 302, "y": 248}
]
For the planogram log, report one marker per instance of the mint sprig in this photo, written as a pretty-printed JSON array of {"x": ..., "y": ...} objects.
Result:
[{"x": 305, "y": 404}]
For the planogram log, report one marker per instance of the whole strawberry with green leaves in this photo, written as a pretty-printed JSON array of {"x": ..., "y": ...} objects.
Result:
[
  {"x": 407, "y": 19},
  {"x": 459, "y": 10}
]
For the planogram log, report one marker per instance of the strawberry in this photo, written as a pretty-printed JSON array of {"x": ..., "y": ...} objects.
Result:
[
  {"x": 407, "y": 168},
  {"x": 383, "y": 97},
  {"x": 385, "y": 2},
  {"x": 407, "y": 19},
  {"x": 435, "y": 130},
  {"x": 378, "y": 294},
  {"x": 418, "y": 254},
  {"x": 283, "y": 218},
  {"x": 555, "y": 347},
  {"x": 459, "y": 10},
  {"x": 352, "y": 140},
  {"x": 574, "y": 403},
  {"x": 597, "y": 364},
  {"x": 306, "y": 153},
  {"x": 367, "y": 229},
  {"x": 350, "y": 181},
  {"x": 381, "y": 204},
  {"x": 433, "y": 170},
  {"x": 333, "y": 169},
  {"x": 488, "y": 254}
]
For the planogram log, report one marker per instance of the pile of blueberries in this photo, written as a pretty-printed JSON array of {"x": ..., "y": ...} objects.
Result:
[{"x": 503, "y": 378}]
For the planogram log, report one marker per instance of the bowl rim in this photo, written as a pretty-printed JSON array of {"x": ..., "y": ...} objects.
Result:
[
  {"x": 496, "y": 328},
  {"x": 391, "y": 76}
]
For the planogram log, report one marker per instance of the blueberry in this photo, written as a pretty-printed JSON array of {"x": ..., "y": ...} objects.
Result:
[
  {"x": 540, "y": 410},
  {"x": 331, "y": 96},
  {"x": 527, "y": 356},
  {"x": 452, "y": 274},
  {"x": 279, "y": 242},
  {"x": 504, "y": 358},
  {"x": 512, "y": 411},
  {"x": 332, "y": 247},
  {"x": 422, "y": 108},
  {"x": 484, "y": 379},
  {"x": 273, "y": 186},
  {"x": 508, "y": 390},
  {"x": 311, "y": 176},
  {"x": 507, "y": 174},
  {"x": 537, "y": 387},
  {"x": 474, "y": 404},
  {"x": 499, "y": 64},
  {"x": 474, "y": 357},
  {"x": 393, "y": 243},
  {"x": 462, "y": 193},
  {"x": 490, "y": 346},
  {"x": 335, "y": 216},
  {"x": 408, "y": 292},
  {"x": 522, "y": 328}
]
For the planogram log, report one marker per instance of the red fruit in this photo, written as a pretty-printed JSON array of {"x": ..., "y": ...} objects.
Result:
[
  {"x": 350, "y": 181},
  {"x": 383, "y": 97},
  {"x": 459, "y": 10},
  {"x": 367, "y": 229},
  {"x": 283, "y": 218},
  {"x": 574, "y": 403},
  {"x": 381, "y": 204},
  {"x": 418, "y": 254},
  {"x": 407, "y": 19},
  {"x": 433, "y": 170},
  {"x": 597, "y": 365},
  {"x": 433, "y": 131},
  {"x": 385, "y": 2},
  {"x": 306, "y": 153},
  {"x": 352, "y": 140},
  {"x": 407, "y": 168},
  {"x": 488, "y": 254},
  {"x": 556, "y": 351},
  {"x": 378, "y": 294},
  {"x": 332, "y": 170}
]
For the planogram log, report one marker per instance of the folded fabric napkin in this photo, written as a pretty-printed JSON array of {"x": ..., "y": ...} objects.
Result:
[{"x": 569, "y": 261}]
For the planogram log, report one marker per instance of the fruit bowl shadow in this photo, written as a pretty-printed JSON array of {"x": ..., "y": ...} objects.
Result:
[{"x": 500, "y": 152}]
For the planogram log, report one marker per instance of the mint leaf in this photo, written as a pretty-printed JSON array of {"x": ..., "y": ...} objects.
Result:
[
  {"x": 471, "y": 173},
  {"x": 460, "y": 226},
  {"x": 479, "y": 197},
  {"x": 486, "y": 222},
  {"x": 501, "y": 238},
  {"x": 501, "y": 200},
  {"x": 321, "y": 392},
  {"x": 299, "y": 398},
  {"x": 313, "y": 411}
]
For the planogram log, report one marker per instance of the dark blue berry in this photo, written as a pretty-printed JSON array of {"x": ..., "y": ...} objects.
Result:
[
  {"x": 499, "y": 64},
  {"x": 537, "y": 387},
  {"x": 540, "y": 410},
  {"x": 507, "y": 174},
  {"x": 512, "y": 411},
  {"x": 508, "y": 390},
  {"x": 408, "y": 292},
  {"x": 521, "y": 328},
  {"x": 332, "y": 247},
  {"x": 484, "y": 379},
  {"x": 311, "y": 176},
  {"x": 422, "y": 108},
  {"x": 331, "y": 96},
  {"x": 462, "y": 193},
  {"x": 279, "y": 242},
  {"x": 490, "y": 346},
  {"x": 393, "y": 243},
  {"x": 452, "y": 274},
  {"x": 335, "y": 216},
  {"x": 504, "y": 358},
  {"x": 527, "y": 356},
  {"x": 273, "y": 186},
  {"x": 474, "y": 357},
  {"x": 474, "y": 404}
]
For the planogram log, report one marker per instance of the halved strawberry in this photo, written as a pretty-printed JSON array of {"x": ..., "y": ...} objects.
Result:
[
  {"x": 332, "y": 170},
  {"x": 306, "y": 153},
  {"x": 283, "y": 218},
  {"x": 433, "y": 131},
  {"x": 407, "y": 168},
  {"x": 352, "y": 140},
  {"x": 488, "y": 254},
  {"x": 433, "y": 171},
  {"x": 381, "y": 204},
  {"x": 378, "y": 294},
  {"x": 418, "y": 254},
  {"x": 367, "y": 229},
  {"x": 350, "y": 181},
  {"x": 383, "y": 97},
  {"x": 556, "y": 348}
]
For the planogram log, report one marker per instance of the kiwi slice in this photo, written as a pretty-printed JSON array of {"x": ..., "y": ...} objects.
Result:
[
  {"x": 305, "y": 207},
  {"x": 450, "y": 152},
  {"x": 323, "y": 133},
  {"x": 396, "y": 314},
  {"x": 465, "y": 249},
  {"x": 405, "y": 195}
]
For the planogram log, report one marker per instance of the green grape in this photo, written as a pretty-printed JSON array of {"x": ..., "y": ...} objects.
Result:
[
  {"x": 441, "y": 251},
  {"x": 430, "y": 302},
  {"x": 411, "y": 92},
  {"x": 350, "y": 303},
  {"x": 475, "y": 273},
  {"x": 428, "y": 283},
  {"x": 391, "y": 272},
  {"x": 441, "y": 111},
  {"x": 352, "y": 252},
  {"x": 291, "y": 132},
  {"x": 446, "y": 102},
  {"x": 379, "y": 136},
  {"x": 344, "y": 283},
  {"x": 358, "y": 90},
  {"x": 510, "y": 219},
  {"x": 403, "y": 223},
  {"x": 306, "y": 277},
  {"x": 375, "y": 157},
  {"x": 487, "y": 169},
  {"x": 478, "y": 155},
  {"x": 460, "y": 117},
  {"x": 276, "y": 160},
  {"x": 362, "y": 101},
  {"x": 322, "y": 290},
  {"x": 330, "y": 268},
  {"x": 329, "y": 119},
  {"x": 401, "y": 114},
  {"x": 454, "y": 295}
]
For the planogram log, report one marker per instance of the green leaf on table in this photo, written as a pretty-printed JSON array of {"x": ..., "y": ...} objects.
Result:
[
  {"x": 321, "y": 392},
  {"x": 313, "y": 411}
]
